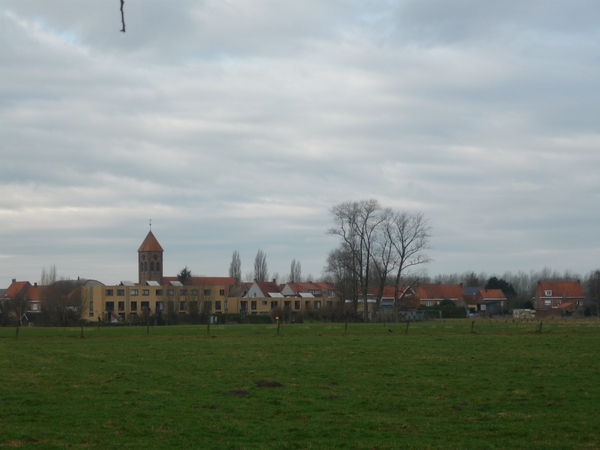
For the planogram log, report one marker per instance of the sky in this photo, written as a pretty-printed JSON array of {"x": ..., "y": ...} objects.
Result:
[{"x": 238, "y": 125}]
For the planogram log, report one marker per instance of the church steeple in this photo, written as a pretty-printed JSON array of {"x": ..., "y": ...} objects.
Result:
[{"x": 150, "y": 260}]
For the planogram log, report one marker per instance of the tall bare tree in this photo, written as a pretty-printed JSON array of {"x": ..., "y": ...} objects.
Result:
[
  {"x": 295, "y": 272},
  {"x": 410, "y": 235},
  {"x": 235, "y": 268},
  {"x": 261, "y": 272},
  {"x": 592, "y": 285},
  {"x": 356, "y": 222},
  {"x": 383, "y": 255}
]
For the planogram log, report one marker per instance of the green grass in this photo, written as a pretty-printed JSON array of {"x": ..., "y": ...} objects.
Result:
[{"x": 439, "y": 386}]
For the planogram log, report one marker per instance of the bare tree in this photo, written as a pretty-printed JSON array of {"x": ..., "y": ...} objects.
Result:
[
  {"x": 19, "y": 305},
  {"x": 410, "y": 235},
  {"x": 235, "y": 268},
  {"x": 356, "y": 223},
  {"x": 592, "y": 284},
  {"x": 4, "y": 311},
  {"x": 62, "y": 299},
  {"x": 383, "y": 255},
  {"x": 261, "y": 272},
  {"x": 341, "y": 273},
  {"x": 295, "y": 272}
]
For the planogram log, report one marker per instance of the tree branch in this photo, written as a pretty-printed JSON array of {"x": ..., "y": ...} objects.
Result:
[{"x": 122, "y": 16}]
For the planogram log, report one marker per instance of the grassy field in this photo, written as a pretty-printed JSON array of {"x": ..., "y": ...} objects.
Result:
[{"x": 439, "y": 386}]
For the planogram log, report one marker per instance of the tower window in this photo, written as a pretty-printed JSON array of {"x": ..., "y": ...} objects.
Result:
[{"x": 151, "y": 267}]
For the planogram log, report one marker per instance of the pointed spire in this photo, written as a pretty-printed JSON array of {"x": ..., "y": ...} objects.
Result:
[{"x": 150, "y": 244}]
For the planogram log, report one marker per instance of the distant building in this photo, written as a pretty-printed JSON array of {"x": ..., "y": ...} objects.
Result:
[{"x": 554, "y": 298}]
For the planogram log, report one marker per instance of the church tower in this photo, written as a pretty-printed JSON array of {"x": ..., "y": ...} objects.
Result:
[{"x": 150, "y": 260}]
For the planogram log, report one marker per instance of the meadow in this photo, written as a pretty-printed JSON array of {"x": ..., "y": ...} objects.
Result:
[{"x": 505, "y": 385}]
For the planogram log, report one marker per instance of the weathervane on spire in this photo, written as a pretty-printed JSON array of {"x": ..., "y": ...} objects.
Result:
[{"x": 150, "y": 224}]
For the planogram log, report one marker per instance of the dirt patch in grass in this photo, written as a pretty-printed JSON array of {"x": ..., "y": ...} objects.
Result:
[
  {"x": 268, "y": 384},
  {"x": 239, "y": 393}
]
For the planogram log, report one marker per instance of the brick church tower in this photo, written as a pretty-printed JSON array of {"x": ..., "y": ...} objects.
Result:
[{"x": 150, "y": 260}]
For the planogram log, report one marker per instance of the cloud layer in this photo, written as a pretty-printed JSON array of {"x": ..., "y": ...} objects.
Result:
[{"x": 238, "y": 124}]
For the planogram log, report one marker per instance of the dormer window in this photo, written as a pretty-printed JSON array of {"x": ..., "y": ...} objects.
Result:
[{"x": 548, "y": 293}]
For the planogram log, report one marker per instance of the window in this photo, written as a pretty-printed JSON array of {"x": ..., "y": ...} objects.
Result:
[
  {"x": 152, "y": 267},
  {"x": 207, "y": 307},
  {"x": 307, "y": 305},
  {"x": 221, "y": 292},
  {"x": 265, "y": 303},
  {"x": 182, "y": 306},
  {"x": 35, "y": 307},
  {"x": 329, "y": 303},
  {"x": 217, "y": 306},
  {"x": 558, "y": 302},
  {"x": 194, "y": 292},
  {"x": 287, "y": 305},
  {"x": 193, "y": 306},
  {"x": 120, "y": 292},
  {"x": 317, "y": 305},
  {"x": 427, "y": 303},
  {"x": 109, "y": 292},
  {"x": 146, "y": 292},
  {"x": 243, "y": 306},
  {"x": 134, "y": 292},
  {"x": 297, "y": 304},
  {"x": 226, "y": 305},
  {"x": 253, "y": 305},
  {"x": 134, "y": 306},
  {"x": 158, "y": 267},
  {"x": 110, "y": 306},
  {"x": 206, "y": 291},
  {"x": 547, "y": 302},
  {"x": 170, "y": 291},
  {"x": 160, "y": 306},
  {"x": 274, "y": 304},
  {"x": 182, "y": 291},
  {"x": 159, "y": 292},
  {"x": 121, "y": 306},
  {"x": 146, "y": 305},
  {"x": 547, "y": 293}
]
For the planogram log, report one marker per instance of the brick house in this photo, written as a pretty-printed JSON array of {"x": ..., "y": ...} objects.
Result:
[{"x": 558, "y": 297}]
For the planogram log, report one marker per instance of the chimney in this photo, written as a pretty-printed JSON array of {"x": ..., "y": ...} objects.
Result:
[
  {"x": 274, "y": 280},
  {"x": 14, "y": 280},
  {"x": 35, "y": 284}
]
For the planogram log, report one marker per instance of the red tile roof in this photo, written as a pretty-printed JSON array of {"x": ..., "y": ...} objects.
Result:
[
  {"x": 16, "y": 288},
  {"x": 440, "y": 291},
  {"x": 567, "y": 306},
  {"x": 33, "y": 293},
  {"x": 203, "y": 281},
  {"x": 569, "y": 289},
  {"x": 268, "y": 286},
  {"x": 150, "y": 244},
  {"x": 490, "y": 294}
]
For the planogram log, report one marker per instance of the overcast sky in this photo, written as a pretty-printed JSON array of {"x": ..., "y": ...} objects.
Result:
[{"x": 238, "y": 124}]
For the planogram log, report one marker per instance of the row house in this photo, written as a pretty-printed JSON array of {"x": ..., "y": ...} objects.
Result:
[
  {"x": 432, "y": 294},
  {"x": 262, "y": 297},
  {"x": 128, "y": 300}
]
